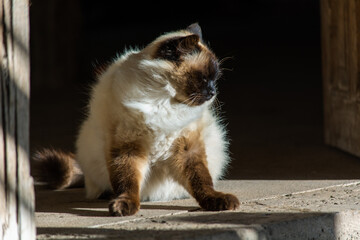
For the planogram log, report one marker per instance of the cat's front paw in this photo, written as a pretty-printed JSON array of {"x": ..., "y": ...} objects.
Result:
[
  {"x": 219, "y": 201},
  {"x": 124, "y": 206}
]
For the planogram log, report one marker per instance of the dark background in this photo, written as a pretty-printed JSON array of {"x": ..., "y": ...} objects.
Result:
[{"x": 271, "y": 92}]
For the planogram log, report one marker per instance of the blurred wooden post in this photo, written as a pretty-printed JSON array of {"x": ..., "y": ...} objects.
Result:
[
  {"x": 340, "y": 30},
  {"x": 16, "y": 185}
]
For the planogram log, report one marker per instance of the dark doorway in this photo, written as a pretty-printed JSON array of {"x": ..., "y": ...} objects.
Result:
[{"x": 271, "y": 93}]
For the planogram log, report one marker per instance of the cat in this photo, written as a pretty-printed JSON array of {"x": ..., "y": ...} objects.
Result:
[{"x": 150, "y": 133}]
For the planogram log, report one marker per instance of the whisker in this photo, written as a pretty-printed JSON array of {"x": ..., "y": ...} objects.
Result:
[
  {"x": 224, "y": 59},
  {"x": 194, "y": 99},
  {"x": 190, "y": 100},
  {"x": 217, "y": 105},
  {"x": 228, "y": 69}
]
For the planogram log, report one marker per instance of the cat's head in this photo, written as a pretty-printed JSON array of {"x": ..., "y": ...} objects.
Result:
[{"x": 189, "y": 65}]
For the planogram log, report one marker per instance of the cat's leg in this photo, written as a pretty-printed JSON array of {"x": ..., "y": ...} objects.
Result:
[
  {"x": 189, "y": 168},
  {"x": 92, "y": 190},
  {"x": 127, "y": 164},
  {"x": 91, "y": 158}
]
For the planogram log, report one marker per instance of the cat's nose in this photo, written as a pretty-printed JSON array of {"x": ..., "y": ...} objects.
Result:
[
  {"x": 209, "y": 92},
  {"x": 208, "y": 96}
]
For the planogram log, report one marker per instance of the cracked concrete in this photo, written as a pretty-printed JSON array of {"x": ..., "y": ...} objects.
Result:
[{"x": 327, "y": 209}]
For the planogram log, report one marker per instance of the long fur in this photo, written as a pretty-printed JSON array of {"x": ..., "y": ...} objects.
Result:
[
  {"x": 133, "y": 97},
  {"x": 134, "y": 93},
  {"x": 56, "y": 169}
]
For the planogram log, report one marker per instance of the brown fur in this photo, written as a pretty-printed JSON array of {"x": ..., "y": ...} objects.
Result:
[
  {"x": 196, "y": 67},
  {"x": 192, "y": 78},
  {"x": 173, "y": 49},
  {"x": 56, "y": 169},
  {"x": 124, "y": 162},
  {"x": 189, "y": 161},
  {"x": 192, "y": 69}
]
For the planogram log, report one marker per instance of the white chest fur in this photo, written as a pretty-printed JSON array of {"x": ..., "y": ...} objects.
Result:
[
  {"x": 165, "y": 120},
  {"x": 160, "y": 150}
]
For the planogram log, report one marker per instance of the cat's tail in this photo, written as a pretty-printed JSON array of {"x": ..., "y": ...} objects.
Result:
[{"x": 56, "y": 169}]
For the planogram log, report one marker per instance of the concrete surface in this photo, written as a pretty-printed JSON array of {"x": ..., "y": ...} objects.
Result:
[{"x": 318, "y": 209}]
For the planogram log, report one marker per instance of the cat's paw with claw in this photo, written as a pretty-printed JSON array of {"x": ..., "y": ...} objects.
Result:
[
  {"x": 123, "y": 206},
  {"x": 219, "y": 201}
]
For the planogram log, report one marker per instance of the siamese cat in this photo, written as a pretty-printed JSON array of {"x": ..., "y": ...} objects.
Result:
[{"x": 150, "y": 133}]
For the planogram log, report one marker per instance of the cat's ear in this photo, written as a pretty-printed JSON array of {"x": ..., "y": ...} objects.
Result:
[
  {"x": 173, "y": 48},
  {"x": 188, "y": 43},
  {"x": 195, "y": 29}
]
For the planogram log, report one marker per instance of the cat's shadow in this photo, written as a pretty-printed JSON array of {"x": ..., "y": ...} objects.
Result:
[
  {"x": 102, "y": 211},
  {"x": 149, "y": 206},
  {"x": 72, "y": 201}
]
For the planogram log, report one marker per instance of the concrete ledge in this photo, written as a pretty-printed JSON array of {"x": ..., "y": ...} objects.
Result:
[{"x": 312, "y": 210}]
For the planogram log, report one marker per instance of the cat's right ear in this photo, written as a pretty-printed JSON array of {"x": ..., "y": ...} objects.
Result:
[
  {"x": 195, "y": 29},
  {"x": 173, "y": 48}
]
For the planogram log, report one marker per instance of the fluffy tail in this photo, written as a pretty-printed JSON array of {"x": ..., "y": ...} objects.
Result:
[{"x": 56, "y": 169}]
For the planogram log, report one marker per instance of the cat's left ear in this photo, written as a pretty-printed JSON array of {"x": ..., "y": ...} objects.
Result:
[{"x": 195, "y": 29}]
